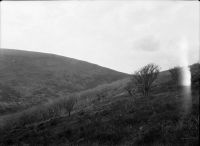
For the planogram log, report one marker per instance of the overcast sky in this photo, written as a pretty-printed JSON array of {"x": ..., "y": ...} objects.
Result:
[{"x": 121, "y": 35}]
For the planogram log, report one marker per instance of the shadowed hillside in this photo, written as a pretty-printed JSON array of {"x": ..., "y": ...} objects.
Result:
[{"x": 33, "y": 75}]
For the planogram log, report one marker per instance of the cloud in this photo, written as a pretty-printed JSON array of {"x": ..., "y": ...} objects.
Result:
[
  {"x": 117, "y": 34},
  {"x": 149, "y": 43}
]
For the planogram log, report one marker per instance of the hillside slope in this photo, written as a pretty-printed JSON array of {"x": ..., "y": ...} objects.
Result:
[
  {"x": 115, "y": 118},
  {"x": 38, "y": 76}
]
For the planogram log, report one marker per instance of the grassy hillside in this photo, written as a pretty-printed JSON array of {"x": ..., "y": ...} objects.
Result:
[
  {"x": 108, "y": 115},
  {"x": 35, "y": 77}
]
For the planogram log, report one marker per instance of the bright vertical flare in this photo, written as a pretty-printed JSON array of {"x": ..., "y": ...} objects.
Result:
[{"x": 185, "y": 76}]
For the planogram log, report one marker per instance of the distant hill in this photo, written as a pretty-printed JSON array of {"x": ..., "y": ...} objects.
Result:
[{"x": 38, "y": 76}]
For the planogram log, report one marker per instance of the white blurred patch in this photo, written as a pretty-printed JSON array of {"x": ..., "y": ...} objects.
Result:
[{"x": 185, "y": 75}]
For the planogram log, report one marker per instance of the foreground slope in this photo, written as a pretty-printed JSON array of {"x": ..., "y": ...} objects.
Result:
[
  {"x": 116, "y": 118},
  {"x": 37, "y": 76}
]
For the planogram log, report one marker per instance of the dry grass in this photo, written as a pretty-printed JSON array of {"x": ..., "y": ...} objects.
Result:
[{"x": 56, "y": 108}]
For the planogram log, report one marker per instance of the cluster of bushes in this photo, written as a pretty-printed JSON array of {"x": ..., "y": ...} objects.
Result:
[
  {"x": 61, "y": 106},
  {"x": 164, "y": 119},
  {"x": 38, "y": 113},
  {"x": 143, "y": 80}
]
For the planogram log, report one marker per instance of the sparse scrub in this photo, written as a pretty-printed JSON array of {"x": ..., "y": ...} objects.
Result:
[
  {"x": 54, "y": 109},
  {"x": 39, "y": 113}
]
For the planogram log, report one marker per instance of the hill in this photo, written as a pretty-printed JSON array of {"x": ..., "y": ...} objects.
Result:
[
  {"x": 37, "y": 76},
  {"x": 108, "y": 115}
]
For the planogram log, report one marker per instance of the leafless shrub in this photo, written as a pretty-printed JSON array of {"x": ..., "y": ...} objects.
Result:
[{"x": 144, "y": 78}]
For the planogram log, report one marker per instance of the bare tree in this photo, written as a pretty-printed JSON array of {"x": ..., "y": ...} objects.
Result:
[
  {"x": 144, "y": 78},
  {"x": 175, "y": 74},
  {"x": 69, "y": 104}
]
